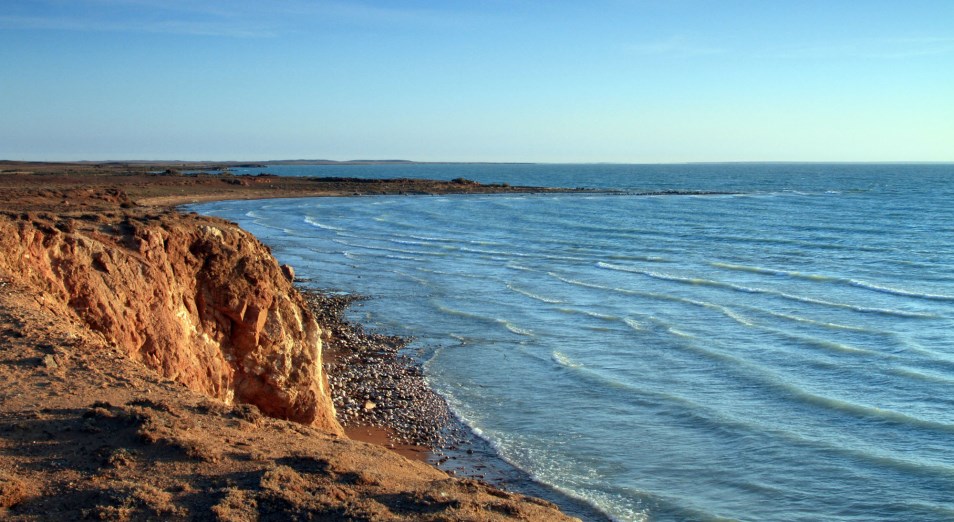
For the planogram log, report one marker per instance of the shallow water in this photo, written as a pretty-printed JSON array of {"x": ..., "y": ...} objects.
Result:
[{"x": 786, "y": 353}]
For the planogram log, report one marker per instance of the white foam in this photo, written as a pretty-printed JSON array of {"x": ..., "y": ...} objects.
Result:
[
  {"x": 311, "y": 221},
  {"x": 561, "y": 359},
  {"x": 515, "y": 329},
  {"x": 862, "y": 309},
  {"x": 680, "y": 333},
  {"x": 899, "y": 292},
  {"x": 858, "y": 283},
  {"x": 823, "y": 324},
  {"x": 531, "y": 295},
  {"x": 634, "y": 324}
]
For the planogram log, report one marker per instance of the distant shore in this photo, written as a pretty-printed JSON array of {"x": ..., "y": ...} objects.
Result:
[{"x": 63, "y": 186}]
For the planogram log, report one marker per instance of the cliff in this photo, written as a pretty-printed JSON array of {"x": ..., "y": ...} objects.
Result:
[{"x": 196, "y": 299}]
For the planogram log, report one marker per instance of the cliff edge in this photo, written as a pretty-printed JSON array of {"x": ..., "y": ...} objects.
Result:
[{"x": 197, "y": 299}]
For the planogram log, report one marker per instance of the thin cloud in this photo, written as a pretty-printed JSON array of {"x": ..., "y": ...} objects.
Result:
[{"x": 673, "y": 46}]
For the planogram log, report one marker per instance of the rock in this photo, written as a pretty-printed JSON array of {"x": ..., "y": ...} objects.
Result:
[
  {"x": 50, "y": 362},
  {"x": 288, "y": 272},
  {"x": 369, "y": 405}
]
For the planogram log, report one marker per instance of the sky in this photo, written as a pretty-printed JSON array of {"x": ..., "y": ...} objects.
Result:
[{"x": 621, "y": 81}]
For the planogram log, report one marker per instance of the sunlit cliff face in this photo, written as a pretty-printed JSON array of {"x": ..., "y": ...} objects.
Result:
[{"x": 196, "y": 299}]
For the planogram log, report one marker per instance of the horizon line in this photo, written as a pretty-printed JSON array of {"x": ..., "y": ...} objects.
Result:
[{"x": 320, "y": 161}]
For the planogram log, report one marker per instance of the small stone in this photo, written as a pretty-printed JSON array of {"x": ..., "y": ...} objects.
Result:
[
  {"x": 369, "y": 405},
  {"x": 50, "y": 362}
]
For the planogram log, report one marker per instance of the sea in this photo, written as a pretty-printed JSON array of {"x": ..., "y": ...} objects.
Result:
[{"x": 770, "y": 342}]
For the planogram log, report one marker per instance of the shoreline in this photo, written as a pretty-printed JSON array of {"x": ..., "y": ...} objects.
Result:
[
  {"x": 442, "y": 440},
  {"x": 419, "y": 424},
  {"x": 379, "y": 394},
  {"x": 61, "y": 202}
]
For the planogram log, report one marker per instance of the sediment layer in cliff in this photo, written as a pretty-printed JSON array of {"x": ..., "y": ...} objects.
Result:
[{"x": 196, "y": 299}]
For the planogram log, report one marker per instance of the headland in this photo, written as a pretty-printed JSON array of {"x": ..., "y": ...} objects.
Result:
[{"x": 157, "y": 364}]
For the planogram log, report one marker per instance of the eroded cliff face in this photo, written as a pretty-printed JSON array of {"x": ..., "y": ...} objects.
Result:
[{"x": 197, "y": 299}]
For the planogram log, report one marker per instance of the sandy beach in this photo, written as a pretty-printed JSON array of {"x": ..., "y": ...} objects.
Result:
[{"x": 150, "y": 368}]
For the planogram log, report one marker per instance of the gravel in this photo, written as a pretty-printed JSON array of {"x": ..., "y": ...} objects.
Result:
[{"x": 373, "y": 383}]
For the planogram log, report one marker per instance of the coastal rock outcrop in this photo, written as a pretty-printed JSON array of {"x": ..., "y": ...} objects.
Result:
[{"x": 197, "y": 299}]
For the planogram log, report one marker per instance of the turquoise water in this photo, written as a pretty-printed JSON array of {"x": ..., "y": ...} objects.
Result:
[{"x": 786, "y": 353}]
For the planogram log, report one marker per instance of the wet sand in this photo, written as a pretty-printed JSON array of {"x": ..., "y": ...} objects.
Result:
[{"x": 386, "y": 437}]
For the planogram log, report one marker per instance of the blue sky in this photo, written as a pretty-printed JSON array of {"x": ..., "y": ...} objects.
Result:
[{"x": 484, "y": 80}]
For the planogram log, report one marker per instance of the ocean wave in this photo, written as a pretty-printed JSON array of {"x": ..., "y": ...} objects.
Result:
[
  {"x": 418, "y": 280},
  {"x": 824, "y": 324},
  {"x": 735, "y": 316},
  {"x": 770, "y": 271},
  {"x": 724, "y": 310},
  {"x": 388, "y": 249},
  {"x": 406, "y": 242},
  {"x": 634, "y": 324},
  {"x": 509, "y": 326},
  {"x": 588, "y": 313},
  {"x": 403, "y": 258},
  {"x": 861, "y": 411},
  {"x": 921, "y": 376},
  {"x": 311, "y": 221},
  {"x": 462, "y": 240},
  {"x": 531, "y": 295},
  {"x": 563, "y": 360},
  {"x": 616, "y": 289},
  {"x": 825, "y": 344},
  {"x": 547, "y": 470},
  {"x": 861, "y": 309},
  {"x": 516, "y": 329},
  {"x": 462, "y": 313},
  {"x": 648, "y": 259},
  {"x": 462, "y": 275},
  {"x": 698, "y": 281},
  {"x": 765, "y": 291},
  {"x": 680, "y": 333},
  {"x": 875, "y": 287},
  {"x": 693, "y": 413},
  {"x": 505, "y": 254},
  {"x": 764, "y": 376},
  {"x": 432, "y": 238},
  {"x": 899, "y": 291},
  {"x": 935, "y": 359}
]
